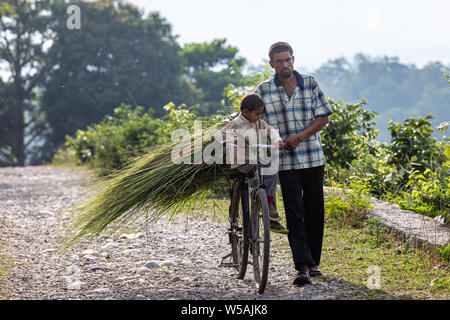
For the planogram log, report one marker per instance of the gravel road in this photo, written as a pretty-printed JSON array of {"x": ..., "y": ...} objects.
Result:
[{"x": 167, "y": 260}]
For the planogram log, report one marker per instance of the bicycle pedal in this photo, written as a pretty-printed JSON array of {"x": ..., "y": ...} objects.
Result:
[{"x": 227, "y": 264}]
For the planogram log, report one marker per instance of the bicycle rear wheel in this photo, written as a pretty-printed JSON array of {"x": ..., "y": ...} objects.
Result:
[
  {"x": 260, "y": 239},
  {"x": 239, "y": 229}
]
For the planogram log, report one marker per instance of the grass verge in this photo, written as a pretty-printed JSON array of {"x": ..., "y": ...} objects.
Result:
[
  {"x": 5, "y": 269},
  {"x": 378, "y": 260}
]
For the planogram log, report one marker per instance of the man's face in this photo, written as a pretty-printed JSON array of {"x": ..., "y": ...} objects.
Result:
[
  {"x": 254, "y": 115},
  {"x": 283, "y": 63}
]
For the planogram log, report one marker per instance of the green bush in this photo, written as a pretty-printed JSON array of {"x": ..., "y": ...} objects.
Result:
[
  {"x": 348, "y": 206},
  {"x": 389, "y": 172},
  {"x": 374, "y": 172},
  {"x": 419, "y": 167},
  {"x": 64, "y": 156},
  {"x": 429, "y": 194},
  {"x": 119, "y": 138},
  {"x": 348, "y": 137},
  {"x": 413, "y": 146},
  {"x": 116, "y": 139}
]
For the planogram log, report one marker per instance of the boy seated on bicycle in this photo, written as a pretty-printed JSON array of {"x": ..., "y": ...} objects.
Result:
[{"x": 244, "y": 138}]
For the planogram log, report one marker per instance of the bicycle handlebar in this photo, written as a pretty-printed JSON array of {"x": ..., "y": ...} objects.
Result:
[{"x": 268, "y": 146}]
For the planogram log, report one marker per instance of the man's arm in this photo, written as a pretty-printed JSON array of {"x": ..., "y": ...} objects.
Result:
[{"x": 294, "y": 140}]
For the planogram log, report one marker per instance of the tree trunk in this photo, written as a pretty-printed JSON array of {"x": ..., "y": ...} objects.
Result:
[
  {"x": 20, "y": 146},
  {"x": 19, "y": 123}
]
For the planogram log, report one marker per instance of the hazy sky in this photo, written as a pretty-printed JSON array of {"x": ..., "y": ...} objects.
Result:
[{"x": 417, "y": 31}]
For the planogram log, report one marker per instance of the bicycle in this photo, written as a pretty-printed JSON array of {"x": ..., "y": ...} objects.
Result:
[{"x": 249, "y": 227}]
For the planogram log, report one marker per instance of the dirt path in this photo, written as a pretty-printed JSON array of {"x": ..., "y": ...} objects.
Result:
[{"x": 177, "y": 260}]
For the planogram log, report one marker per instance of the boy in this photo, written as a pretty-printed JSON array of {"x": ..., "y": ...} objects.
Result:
[{"x": 240, "y": 132}]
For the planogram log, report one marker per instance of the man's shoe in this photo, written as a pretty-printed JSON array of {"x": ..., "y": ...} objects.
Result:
[
  {"x": 314, "y": 271},
  {"x": 302, "y": 278}
]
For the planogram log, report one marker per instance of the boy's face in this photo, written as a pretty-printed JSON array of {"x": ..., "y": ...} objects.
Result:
[{"x": 254, "y": 115}]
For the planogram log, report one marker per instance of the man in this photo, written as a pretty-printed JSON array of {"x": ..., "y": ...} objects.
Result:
[{"x": 296, "y": 107}]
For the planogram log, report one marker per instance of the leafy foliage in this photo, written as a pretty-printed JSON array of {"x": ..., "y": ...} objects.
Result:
[
  {"x": 349, "y": 134},
  {"x": 234, "y": 93},
  {"x": 347, "y": 207},
  {"x": 24, "y": 33},
  {"x": 111, "y": 143},
  {"x": 429, "y": 192},
  {"x": 129, "y": 132},
  {"x": 118, "y": 56},
  {"x": 413, "y": 145},
  {"x": 395, "y": 90},
  {"x": 210, "y": 68}
]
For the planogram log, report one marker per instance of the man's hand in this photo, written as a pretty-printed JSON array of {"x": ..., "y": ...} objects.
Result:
[
  {"x": 294, "y": 140},
  {"x": 291, "y": 142},
  {"x": 280, "y": 145}
]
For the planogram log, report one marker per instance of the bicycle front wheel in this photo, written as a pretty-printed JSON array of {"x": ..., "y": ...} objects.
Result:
[
  {"x": 238, "y": 232},
  {"x": 260, "y": 239}
]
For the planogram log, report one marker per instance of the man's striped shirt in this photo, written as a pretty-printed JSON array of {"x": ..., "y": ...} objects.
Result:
[{"x": 291, "y": 116}]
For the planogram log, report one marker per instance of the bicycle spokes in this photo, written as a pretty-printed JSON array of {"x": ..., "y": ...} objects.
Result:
[
  {"x": 249, "y": 231},
  {"x": 260, "y": 239}
]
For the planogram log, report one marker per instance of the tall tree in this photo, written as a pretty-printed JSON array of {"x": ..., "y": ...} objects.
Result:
[
  {"x": 117, "y": 55},
  {"x": 24, "y": 33},
  {"x": 6, "y": 133},
  {"x": 210, "y": 68}
]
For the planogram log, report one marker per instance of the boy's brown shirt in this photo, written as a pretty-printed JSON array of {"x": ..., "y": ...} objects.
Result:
[{"x": 240, "y": 132}]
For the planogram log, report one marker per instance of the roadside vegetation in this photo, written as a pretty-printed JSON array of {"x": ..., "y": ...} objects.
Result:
[
  {"x": 5, "y": 268},
  {"x": 361, "y": 250}
]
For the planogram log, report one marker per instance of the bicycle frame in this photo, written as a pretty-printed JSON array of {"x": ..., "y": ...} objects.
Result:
[
  {"x": 244, "y": 236},
  {"x": 247, "y": 194},
  {"x": 244, "y": 188}
]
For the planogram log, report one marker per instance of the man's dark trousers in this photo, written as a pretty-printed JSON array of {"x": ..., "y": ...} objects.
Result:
[{"x": 302, "y": 191}]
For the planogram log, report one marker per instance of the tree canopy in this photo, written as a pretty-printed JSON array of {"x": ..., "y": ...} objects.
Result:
[
  {"x": 116, "y": 56},
  {"x": 211, "y": 67},
  {"x": 63, "y": 78},
  {"x": 394, "y": 90}
]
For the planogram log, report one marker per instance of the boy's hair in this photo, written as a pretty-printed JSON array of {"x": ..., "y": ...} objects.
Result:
[
  {"x": 279, "y": 47},
  {"x": 251, "y": 101}
]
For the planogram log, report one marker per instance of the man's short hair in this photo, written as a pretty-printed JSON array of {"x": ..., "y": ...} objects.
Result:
[
  {"x": 251, "y": 101},
  {"x": 279, "y": 47}
]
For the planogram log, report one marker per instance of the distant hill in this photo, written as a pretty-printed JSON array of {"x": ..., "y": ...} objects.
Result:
[{"x": 395, "y": 90}]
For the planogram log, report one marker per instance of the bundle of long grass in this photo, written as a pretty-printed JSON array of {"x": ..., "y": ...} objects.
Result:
[{"x": 152, "y": 185}]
